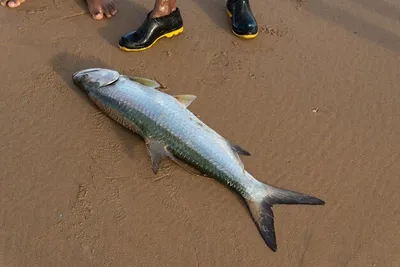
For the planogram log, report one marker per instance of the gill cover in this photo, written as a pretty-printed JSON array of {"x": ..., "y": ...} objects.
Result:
[{"x": 96, "y": 76}]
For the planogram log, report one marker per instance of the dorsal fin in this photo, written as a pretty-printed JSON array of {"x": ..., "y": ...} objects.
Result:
[
  {"x": 238, "y": 149},
  {"x": 185, "y": 100},
  {"x": 240, "y": 161}
]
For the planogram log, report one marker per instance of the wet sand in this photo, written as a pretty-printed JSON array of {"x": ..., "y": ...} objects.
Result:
[{"x": 315, "y": 99}]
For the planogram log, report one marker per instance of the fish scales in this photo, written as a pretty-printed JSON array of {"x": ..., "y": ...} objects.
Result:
[
  {"x": 159, "y": 122},
  {"x": 171, "y": 130}
]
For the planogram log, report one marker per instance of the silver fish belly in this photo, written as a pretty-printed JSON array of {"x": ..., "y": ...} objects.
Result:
[{"x": 170, "y": 130}]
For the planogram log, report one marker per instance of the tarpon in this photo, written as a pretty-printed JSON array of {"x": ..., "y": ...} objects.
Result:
[{"x": 170, "y": 130}]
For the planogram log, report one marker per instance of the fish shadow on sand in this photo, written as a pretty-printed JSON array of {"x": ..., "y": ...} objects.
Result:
[
  {"x": 357, "y": 25},
  {"x": 66, "y": 64}
]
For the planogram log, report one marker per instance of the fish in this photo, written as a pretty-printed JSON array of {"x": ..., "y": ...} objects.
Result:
[{"x": 171, "y": 131}]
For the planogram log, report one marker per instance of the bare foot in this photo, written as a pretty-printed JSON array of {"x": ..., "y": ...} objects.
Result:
[
  {"x": 99, "y": 8},
  {"x": 11, "y": 3}
]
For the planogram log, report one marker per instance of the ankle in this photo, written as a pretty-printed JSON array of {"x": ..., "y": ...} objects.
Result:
[
  {"x": 156, "y": 13},
  {"x": 162, "y": 11}
]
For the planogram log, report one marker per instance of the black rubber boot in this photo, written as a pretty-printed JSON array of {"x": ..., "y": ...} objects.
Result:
[
  {"x": 151, "y": 31},
  {"x": 244, "y": 24}
]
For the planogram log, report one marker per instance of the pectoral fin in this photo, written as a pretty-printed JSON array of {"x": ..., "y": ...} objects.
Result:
[
  {"x": 157, "y": 152},
  {"x": 146, "y": 82},
  {"x": 185, "y": 100}
]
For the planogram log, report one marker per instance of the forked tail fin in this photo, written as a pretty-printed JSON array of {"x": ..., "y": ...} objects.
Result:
[{"x": 263, "y": 215}]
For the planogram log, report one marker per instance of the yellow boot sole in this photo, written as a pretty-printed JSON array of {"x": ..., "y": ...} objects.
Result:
[
  {"x": 245, "y": 36},
  {"x": 167, "y": 35}
]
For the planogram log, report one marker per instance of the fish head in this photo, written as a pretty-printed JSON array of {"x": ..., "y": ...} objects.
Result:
[{"x": 90, "y": 80}]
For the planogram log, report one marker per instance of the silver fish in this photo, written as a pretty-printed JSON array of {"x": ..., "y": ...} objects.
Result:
[{"x": 170, "y": 130}]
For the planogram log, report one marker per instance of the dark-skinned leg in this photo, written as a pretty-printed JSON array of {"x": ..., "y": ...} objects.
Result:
[
  {"x": 163, "y": 21},
  {"x": 162, "y": 8}
]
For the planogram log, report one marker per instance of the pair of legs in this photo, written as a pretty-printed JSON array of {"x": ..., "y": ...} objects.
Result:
[
  {"x": 106, "y": 8},
  {"x": 97, "y": 8},
  {"x": 165, "y": 21}
]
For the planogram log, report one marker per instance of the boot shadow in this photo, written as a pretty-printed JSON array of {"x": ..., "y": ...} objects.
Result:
[
  {"x": 216, "y": 11},
  {"x": 129, "y": 17}
]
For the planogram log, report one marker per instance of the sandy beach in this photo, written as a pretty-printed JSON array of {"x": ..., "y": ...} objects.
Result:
[{"x": 314, "y": 98}]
